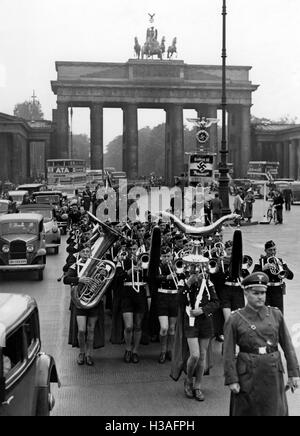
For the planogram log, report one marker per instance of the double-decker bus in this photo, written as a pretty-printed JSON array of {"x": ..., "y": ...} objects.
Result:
[{"x": 66, "y": 171}]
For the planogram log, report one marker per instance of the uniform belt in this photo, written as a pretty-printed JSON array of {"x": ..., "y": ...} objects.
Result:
[
  {"x": 275, "y": 283},
  {"x": 168, "y": 291},
  {"x": 260, "y": 350},
  {"x": 134, "y": 284},
  {"x": 232, "y": 284}
]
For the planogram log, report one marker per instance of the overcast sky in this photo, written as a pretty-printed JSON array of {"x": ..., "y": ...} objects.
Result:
[{"x": 34, "y": 34}]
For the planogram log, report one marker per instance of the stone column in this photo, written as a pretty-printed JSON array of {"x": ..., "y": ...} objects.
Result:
[
  {"x": 96, "y": 137},
  {"x": 298, "y": 160},
  {"x": 245, "y": 149},
  {"x": 259, "y": 151},
  {"x": 62, "y": 131},
  {"x": 280, "y": 158},
  {"x": 130, "y": 146},
  {"x": 177, "y": 140},
  {"x": 234, "y": 140},
  {"x": 124, "y": 144},
  {"x": 293, "y": 159},
  {"x": 168, "y": 151},
  {"x": 286, "y": 162}
]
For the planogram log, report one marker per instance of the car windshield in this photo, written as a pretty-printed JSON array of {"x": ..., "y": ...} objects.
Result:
[
  {"x": 19, "y": 228},
  {"x": 17, "y": 197},
  {"x": 3, "y": 207},
  {"x": 47, "y": 199},
  {"x": 46, "y": 213}
]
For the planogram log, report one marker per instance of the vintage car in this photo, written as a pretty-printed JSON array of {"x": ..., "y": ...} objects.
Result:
[
  {"x": 30, "y": 187},
  {"x": 6, "y": 207},
  {"x": 52, "y": 232},
  {"x": 18, "y": 197},
  {"x": 26, "y": 374},
  {"x": 22, "y": 243},
  {"x": 48, "y": 197}
]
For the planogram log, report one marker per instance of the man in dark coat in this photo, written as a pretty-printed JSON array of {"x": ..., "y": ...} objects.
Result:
[{"x": 255, "y": 377}]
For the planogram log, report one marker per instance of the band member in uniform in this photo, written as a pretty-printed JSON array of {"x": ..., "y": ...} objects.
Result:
[
  {"x": 276, "y": 270},
  {"x": 255, "y": 378},
  {"x": 198, "y": 301},
  {"x": 134, "y": 305},
  {"x": 86, "y": 318},
  {"x": 167, "y": 304},
  {"x": 232, "y": 295}
]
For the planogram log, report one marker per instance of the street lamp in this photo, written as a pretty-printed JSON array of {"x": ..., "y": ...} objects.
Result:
[{"x": 223, "y": 168}]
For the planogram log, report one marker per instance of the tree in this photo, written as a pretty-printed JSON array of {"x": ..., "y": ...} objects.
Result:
[
  {"x": 29, "y": 110},
  {"x": 81, "y": 147}
]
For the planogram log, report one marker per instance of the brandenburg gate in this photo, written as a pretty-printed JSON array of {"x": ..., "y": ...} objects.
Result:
[{"x": 171, "y": 85}]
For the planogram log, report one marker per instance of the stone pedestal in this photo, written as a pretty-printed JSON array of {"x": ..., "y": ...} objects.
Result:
[{"x": 96, "y": 137}]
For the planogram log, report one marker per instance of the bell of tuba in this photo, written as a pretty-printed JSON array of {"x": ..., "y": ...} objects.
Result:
[
  {"x": 276, "y": 267},
  {"x": 100, "y": 270}
]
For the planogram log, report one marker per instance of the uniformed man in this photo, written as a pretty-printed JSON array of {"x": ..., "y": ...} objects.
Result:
[
  {"x": 255, "y": 377},
  {"x": 276, "y": 270}
]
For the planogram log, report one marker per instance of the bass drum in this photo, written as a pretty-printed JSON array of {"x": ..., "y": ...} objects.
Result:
[
  {"x": 235, "y": 269},
  {"x": 154, "y": 259}
]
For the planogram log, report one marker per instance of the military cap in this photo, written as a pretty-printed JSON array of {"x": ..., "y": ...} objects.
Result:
[
  {"x": 269, "y": 244},
  {"x": 254, "y": 280}
]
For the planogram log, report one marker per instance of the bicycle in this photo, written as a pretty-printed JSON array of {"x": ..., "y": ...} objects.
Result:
[{"x": 272, "y": 214}]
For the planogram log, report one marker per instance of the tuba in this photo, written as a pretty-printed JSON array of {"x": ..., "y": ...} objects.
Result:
[
  {"x": 276, "y": 267},
  {"x": 100, "y": 270}
]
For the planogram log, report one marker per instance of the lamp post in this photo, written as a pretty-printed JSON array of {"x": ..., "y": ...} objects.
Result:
[{"x": 223, "y": 168}]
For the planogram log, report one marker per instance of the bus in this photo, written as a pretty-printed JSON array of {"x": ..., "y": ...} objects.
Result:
[
  {"x": 263, "y": 171},
  {"x": 66, "y": 171}
]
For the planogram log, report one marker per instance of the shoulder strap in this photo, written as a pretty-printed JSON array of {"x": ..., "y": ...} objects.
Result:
[{"x": 253, "y": 326}]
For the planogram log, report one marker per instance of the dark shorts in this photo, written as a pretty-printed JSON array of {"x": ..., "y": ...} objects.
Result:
[
  {"x": 132, "y": 301},
  {"x": 167, "y": 305},
  {"x": 232, "y": 297},
  {"x": 203, "y": 327},
  {"x": 89, "y": 313}
]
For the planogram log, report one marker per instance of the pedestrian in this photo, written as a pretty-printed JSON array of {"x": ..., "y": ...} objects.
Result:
[
  {"x": 255, "y": 377},
  {"x": 278, "y": 204},
  {"x": 249, "y": 200},
  {"x": 288, "y": 195},
  {"x": 277, "y": 270},
  {"x": 238, "y": 204},
  {"x": 216, "y": 207},
  {"x": 86, "y": 198}
]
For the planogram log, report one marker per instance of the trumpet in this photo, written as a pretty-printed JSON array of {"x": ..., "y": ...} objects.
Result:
[
  {"x": 276, "y": 267},
  {"x": 219, "y": 249},
  {"x": 247, "y": 261},
  {"x": 213, "y": 265},
  {"x": 143, "y": 260},
  {"x": 179, "y": 268}
]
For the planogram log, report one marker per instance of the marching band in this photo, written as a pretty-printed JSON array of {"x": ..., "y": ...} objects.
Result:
[{"x": 161, "y": 279}]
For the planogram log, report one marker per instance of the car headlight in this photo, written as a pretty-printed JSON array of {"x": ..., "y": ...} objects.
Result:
[
  {"x": 54, "y": 229},
  {"x": 5, "y": 248},
  {"x": 30, "y": 248}
]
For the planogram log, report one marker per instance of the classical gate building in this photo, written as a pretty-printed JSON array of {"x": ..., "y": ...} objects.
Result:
[{"x": 171, "y": 85}]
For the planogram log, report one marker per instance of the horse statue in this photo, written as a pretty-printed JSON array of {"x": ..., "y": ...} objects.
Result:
[
  {"x": 172, "y": 49},
  {"x": 137, "y": 48}
]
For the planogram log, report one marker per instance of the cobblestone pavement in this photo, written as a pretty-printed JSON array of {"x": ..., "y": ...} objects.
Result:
[{"x": 113, "y": 388}]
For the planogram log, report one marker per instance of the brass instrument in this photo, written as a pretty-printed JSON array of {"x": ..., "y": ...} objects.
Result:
[
  {"x": 143, "y": 260},
  {"x": 276, "y": 267},
  {"x": 247, "y": 261},
  {"x": 87, "y": 296},
  {"x": 213, "y": 265}
]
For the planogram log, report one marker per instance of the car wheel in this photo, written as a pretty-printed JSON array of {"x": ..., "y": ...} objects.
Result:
[
  {"x": 40, "y": 275},
  {"x": 45, "y": 401}
]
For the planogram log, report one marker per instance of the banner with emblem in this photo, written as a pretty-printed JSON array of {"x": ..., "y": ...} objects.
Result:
[{"x": 200, "y": 165}]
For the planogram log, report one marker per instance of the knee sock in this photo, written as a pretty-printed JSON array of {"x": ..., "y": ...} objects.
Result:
[
  {"x": 81, "y": 342},
  {"x": 163, "y": 343}
]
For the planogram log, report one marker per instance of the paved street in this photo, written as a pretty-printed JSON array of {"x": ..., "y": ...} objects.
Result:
[{"x": 113, "y": 388}]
